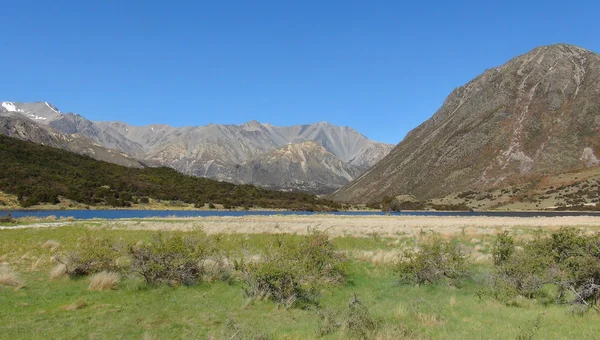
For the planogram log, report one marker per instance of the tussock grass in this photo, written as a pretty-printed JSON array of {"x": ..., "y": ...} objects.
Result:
[
  {"x": 104, "y": 281},
  {"x": 9, "y": 278},
  {"x": 58, "y": 272},
  {"x": 51, "y": 245}
]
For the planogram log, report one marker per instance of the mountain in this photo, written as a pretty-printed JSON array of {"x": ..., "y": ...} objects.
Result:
[
  {"x": 306, "y": 166},
  {"x": 539, "y": 113},
  {"x": 214, "y": 151},
  {"x": 40, "y": 174},
  {"x": 25, "y": 129}
]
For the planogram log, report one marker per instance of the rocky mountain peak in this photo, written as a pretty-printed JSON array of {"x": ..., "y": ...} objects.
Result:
[
  {"x": 213, "y": 150},
  {"x": 536, "y": 113},
  {"x": 252, "y": 125}
]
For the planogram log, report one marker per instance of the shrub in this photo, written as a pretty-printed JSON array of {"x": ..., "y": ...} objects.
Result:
[
  {"x": 92, "y": 255},
  {"x": 294, "y": 269},
  {"x": 373, "y": 205},
  {"x": 104, "y": 281},
  {"x": 358, "y": 322},
  {"x": 436, "y": 260},
  {"x": 529, "y": 331},
  {"x": 522, "y": 274},
  {"x": 503, "y": 248},
  {"x": 567, "y": 259},
  {"x": 355, "y": 321},
  {"x": 173, "y": 259},
  {"x": 7, "y": 219}
]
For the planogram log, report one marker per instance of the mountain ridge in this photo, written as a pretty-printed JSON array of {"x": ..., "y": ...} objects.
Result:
[
  {"x": 536, "y": 113},
  {"x": 211, "y": 150}
]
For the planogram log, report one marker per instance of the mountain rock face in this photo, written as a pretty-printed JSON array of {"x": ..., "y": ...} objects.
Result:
[
  {"x": 306, "y": 166},
  {"x": 25, "y": 129},
  {"x": 538, "y": 113},
  {"x": 220, "y": 151}
]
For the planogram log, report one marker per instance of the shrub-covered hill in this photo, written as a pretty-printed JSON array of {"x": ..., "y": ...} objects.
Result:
[{"x": 40, "y": 174}]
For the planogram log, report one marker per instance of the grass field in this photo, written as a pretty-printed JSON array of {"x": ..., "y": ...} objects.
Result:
[{"x": 39, "y": 307}]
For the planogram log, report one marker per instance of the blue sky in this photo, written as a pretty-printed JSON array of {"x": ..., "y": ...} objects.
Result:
[{"x": 381, "y": 67}]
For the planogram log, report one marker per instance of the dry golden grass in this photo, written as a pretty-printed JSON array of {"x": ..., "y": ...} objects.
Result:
[
  {"x": 378, "y": 257},
  {"x": 9, "y": 278},
  {"x": 452, "y": 301},
  {"x": 8, "y": 200},
  {"x": 104, "y": 281},
  {"x": 51, "y": 245},
  {"x": 474, "y": 228},
  {"x": 58, "y": 272},
  {"x": 79, "y": 304},
  {"x": 430, "y": 320},
  {"x": 35, "y": 263}
]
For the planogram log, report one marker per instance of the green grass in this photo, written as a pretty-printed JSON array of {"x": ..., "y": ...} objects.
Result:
[{"x": 136, "y": 310}]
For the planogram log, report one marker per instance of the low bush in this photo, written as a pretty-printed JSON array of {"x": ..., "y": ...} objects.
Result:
[
  {"x": 503, "y": 248},
  {"x": 354, "y": 322},
  {"x": 294, "y": 269},
  {"x": 358, "y": 322},
  {"x": 7, "y": 219},
  {"x": 92, "y": 255},
  {"x": 566, "y": 259},
  {"x": 436, "y": 260},
  {"x": 173, "y": 259}
]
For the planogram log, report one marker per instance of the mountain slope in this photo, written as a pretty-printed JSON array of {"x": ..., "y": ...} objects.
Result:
[
  {"x": 538, "y": 113},
  {"x": 25, "y": 129},
  {"x": 214, "y": 151},
  {"x": 306, "y": 166},
  {"x": 36, "y": 173}
]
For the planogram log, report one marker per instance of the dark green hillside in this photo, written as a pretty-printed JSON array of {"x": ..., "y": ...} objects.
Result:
[{"x": 40, "y": 174}]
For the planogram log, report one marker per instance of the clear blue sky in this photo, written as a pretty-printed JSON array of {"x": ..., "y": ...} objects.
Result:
[{"x": 381, "y": 67}]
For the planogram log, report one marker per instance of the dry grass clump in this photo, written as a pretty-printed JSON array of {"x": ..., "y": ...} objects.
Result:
[
  {"x": 79, "y": 304},
  {"x": 104, "y": 281},
  {"x": 58, "y": 272},
  {"x": 51, "y": 245},
  {"x": 9, "y": 278}
]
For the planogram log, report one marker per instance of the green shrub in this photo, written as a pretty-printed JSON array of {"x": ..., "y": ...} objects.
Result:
[
  {"x": 503, "y": 248},
  {"x": 359, "y": 323},
  {"x": 174, "y": 259},
  {"x": 436, "y": 260},
  {"x": 356, "y": 321},
  {"x": 294, "y": 269},
  {"x": 529, "y": 331},
  {"x": 92, "y": 255},
  {"x": 523, "y": 274},
  {"x": 7, "y": 219},
  {"x": 567, "y": 259}
]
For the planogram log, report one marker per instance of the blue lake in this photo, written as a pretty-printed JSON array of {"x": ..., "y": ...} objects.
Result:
[{"x": 114, "y": 214}]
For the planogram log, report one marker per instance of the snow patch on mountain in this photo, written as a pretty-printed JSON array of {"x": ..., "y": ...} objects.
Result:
[
  {"x": 51, "y": 107},
  {"x": 10, "y": 107}
]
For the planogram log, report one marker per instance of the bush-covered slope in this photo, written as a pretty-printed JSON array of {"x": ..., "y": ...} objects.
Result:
[{"x": 39, "y": 174}]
